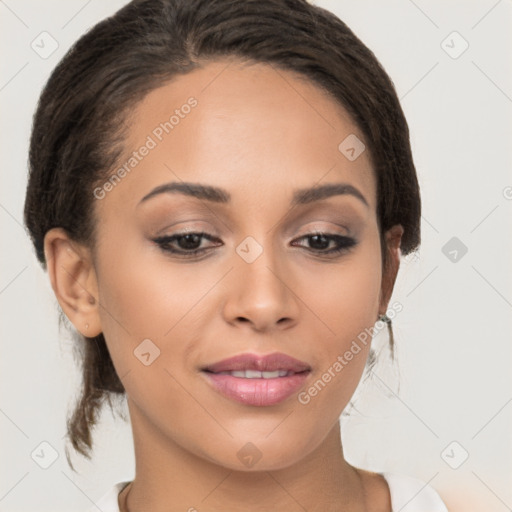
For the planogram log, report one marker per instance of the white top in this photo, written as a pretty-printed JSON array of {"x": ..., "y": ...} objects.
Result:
[{"x": 407, "y": 495}]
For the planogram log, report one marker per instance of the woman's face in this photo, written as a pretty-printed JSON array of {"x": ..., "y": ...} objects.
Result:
[{"x": 262, "y": 282}]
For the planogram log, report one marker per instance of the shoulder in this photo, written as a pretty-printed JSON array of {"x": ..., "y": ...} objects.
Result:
[
  {"x": 410, "y": 494},
  {"x": 109, "y": 501}
]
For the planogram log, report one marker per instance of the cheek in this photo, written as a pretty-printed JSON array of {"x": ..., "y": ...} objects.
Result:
[
  {"x": 345, "y": 297},
  {"x": 146, "y": 296},
  {"x": 143, "y": 305},
  {"x": 136, "y": 302},
  {"x": 346, "y": 308},
  {"x": 141, "y": 292}
]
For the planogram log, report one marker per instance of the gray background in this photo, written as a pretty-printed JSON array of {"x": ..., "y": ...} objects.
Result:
[{"x": 453, "y": 335}]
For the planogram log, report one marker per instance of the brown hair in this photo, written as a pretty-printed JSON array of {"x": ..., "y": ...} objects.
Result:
[{"x": 82, "y": 118}]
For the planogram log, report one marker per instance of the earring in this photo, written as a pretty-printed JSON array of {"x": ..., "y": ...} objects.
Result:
[
  {"x": 86, "y": 326},
  {"x": 385, "y": 318}
]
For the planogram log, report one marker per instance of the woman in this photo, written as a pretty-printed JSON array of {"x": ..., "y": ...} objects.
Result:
[{"x": 221, "y": 193}]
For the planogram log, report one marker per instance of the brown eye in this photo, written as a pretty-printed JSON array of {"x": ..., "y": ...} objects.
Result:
[
  {"x": 319, "y": 242},
  {"x": 184, "y": 244}
]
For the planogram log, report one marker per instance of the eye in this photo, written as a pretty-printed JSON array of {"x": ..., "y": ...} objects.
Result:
[
  {"x": 321, "y": 241},
  {"x": 188, "y": 243}
]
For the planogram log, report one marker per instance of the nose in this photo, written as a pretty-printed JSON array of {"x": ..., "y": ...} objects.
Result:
[{"x": 260, "y": 294}]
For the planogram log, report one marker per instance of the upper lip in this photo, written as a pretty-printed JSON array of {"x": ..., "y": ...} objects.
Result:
[{"x": 266, "y": 363}]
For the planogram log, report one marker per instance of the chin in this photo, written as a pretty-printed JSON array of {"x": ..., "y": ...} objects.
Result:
[{"x": 264, "y": 455}]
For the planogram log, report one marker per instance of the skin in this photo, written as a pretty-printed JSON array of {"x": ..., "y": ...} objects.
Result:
[{"x": 259, "y": 133}]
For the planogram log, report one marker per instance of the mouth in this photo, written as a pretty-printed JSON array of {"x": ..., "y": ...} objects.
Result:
[{"x": 257, "y": 381}]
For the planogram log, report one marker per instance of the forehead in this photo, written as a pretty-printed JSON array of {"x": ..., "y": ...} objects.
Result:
[{"x": 253, "y": 128}]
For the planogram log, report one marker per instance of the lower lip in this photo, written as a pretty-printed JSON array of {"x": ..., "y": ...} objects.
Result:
[{"x": 259, "y": 392}]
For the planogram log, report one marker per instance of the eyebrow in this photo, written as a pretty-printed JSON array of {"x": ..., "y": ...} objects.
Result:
[{"x": 218, "y": 195}]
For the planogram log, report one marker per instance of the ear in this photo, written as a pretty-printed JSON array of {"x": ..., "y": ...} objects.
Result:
[
  {"x": 73, "y": 280},
  {"x": 393, "y": 239}
]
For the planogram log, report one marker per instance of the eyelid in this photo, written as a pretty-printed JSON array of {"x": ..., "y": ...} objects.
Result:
[
  {"x": 189, "y": 227},
  {"x": 339, "y": 230},
  {"x": 342, "y": 217}
]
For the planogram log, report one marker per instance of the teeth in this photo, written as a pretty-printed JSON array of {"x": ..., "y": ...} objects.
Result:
[{"x": 255, "y": 374}]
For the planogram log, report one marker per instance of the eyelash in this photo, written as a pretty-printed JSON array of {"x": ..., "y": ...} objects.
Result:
[{"x": 345, "y": 243}]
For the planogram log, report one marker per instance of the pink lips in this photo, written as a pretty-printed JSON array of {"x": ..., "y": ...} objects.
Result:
[
  {"x": 258, "y": 391},
  {"x": 268, "y": 363}
]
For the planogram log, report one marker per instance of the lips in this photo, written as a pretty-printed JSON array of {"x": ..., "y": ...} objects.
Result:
[
  {"x": 269, "y": 363},
  {"x": 259, "y": 392},
  {"x": 256, "y": 380}
]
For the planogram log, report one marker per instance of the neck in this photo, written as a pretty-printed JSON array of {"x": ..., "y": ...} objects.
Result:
[{"x": 169, "y": 477}]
